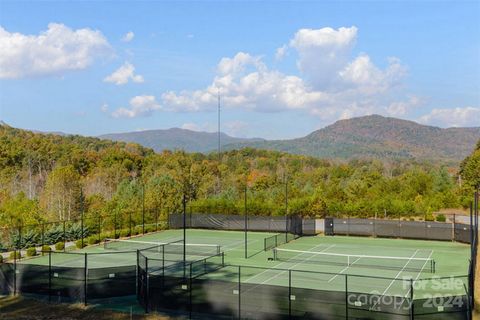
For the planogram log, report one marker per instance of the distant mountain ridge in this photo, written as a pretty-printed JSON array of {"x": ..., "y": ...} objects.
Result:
[
  {"x": 380, "y": 137},
  {"x": 371, "y": 136},
  {"x": 178, "y": 139}
]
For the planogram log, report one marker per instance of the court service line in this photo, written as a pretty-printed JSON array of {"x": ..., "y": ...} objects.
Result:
[
  {"x": 286, "y": 262},
  {"x": 394, "y": 279},
  {"x": 275, "y": 276},
  {"x": 344, "y": 269},
  {"x": 418, "y": 275}
]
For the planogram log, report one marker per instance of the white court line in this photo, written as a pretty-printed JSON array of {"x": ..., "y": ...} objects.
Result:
[
  {"x": 240, "y": 244},
  {"x": 418, "y": 275},
  {"x": 391, "y": 283},
  {"x": 343, "y": 270},
  {"x": 295, "y": 265},
  {"x": 406, "y": 264},
  {"x": 286, "y": 262}
]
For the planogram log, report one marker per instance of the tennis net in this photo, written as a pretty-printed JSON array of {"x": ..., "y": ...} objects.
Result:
[
  {"x": 353, "y": 260},
  {"x": 175, "y": 247}
]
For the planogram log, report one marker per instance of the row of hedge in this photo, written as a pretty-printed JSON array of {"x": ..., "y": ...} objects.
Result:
[{"x": 79, "y": 244}]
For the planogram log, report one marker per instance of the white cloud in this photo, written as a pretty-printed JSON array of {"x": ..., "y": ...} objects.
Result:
[
  {"x": 365, "y": 76},
  {"x": 455, "y": 117},
  {"x": 236, "y": 128},
  {"x": 123, "y": 74},
  {"x": 401, "y": 108},
  {"x": 322, "y": 53},
  {"x": 245, "y": 81},
  {"x": 356, "y": 86},
  {"x": 140, "y": 106},
  {"x": 53, "y": 52},
  {"x": 128, "y": 36},
  {"x": 332, "y": 85},
  {"x": 104, "y": 107},
  {"x": 191, "y": 126}
]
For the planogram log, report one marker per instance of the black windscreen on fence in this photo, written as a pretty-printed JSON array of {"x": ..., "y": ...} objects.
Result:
[
  {"x": 315, "y": 302},
  {"x": 217, "y": 298},
  {"x": 7, "y": 271},
  {"x": 32, "y": 279},
  {"x": 70, "y": 277},
  {"x": 264, "y": 293},
  {"x": 462, "y": 233},
  {"x": 292, "y": 224},
  {"x": 111, "y": 282},
  {"x": 429, "y": 230}
]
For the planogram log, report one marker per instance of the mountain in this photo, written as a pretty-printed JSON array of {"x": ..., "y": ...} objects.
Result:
[
  {"x": 177, "y": 139},
  {"x": 378, "y": 137}
]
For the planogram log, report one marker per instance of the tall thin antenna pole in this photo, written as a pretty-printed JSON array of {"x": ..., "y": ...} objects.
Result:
[{"x": 219, "y": 125}]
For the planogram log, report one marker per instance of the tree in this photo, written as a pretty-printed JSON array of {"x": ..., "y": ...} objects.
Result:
[{"x": 61, "y": 198}]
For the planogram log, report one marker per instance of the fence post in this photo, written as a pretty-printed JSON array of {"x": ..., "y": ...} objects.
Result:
[
  {"x": 147, "y": 286},
  {"x": 15, "y": 272},
  {"x": 412, "y": 311},
  {"x": 289, "y": 293},
  {"x": 239, "y": 293},
  {"x": 453, "y": 226},
  {"x": 137, "y": 275},
  {"x": 346, "y": 296},
  {"x": 82, "y": 209},
  {"x": 348, "y": 224},
  {"x": 85, "y": 282},
  {"x": 49, "y": 276},
  {"x": 143, "y": 208},
  {"x": 130, "y": 223},
  {"x": 190, "y": 306},
  {"x": 99, "y": 229},
  {"x": 43, "y": 236},
  {"x": 83, "y": 231},
  {"x": 19, "y": 243}
]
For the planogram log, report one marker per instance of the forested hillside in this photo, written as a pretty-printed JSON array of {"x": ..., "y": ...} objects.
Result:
[
  {"x": 177, "y": 139},
  {"x": 379, "y": 137},
  {"x": 48, "y": 177}
]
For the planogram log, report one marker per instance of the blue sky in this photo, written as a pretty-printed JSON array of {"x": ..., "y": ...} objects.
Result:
[{"x": 283, "y": 69}]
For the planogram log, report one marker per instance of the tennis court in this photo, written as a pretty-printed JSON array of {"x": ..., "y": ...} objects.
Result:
[
  {"x": 393, "y": 259},
  {"x": 307, "y": 275}
]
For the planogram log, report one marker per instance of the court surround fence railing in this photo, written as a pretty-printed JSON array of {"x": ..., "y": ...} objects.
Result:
[
  {"x": 114, "y": 225},
  {"x": 70, "y": 277},
  {"x": 245, "y": 292}
]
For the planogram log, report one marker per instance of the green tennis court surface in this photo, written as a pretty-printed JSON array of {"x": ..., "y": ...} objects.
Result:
[{"x": 373, "y": 265}]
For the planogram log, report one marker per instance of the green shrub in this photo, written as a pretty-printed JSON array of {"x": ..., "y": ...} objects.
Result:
[
  {"x": 32, "y": 251},
  {"x": 429, "y": 217},
  {"x": 1, "y": 258},
  {"x": 59, "y": 246},
  {"x": 124, "y": 233},
  {"x": 54, "y": 234},
  {"x": 137, "y": 230},
  {"x": 93, "y": 240},
  {"x": 105, "y": 235},
  {"x": 75, "y": 231},
  {"x": 80, "y": 244},
  {"x": 441, "y": 218},
  {"x": 15, "y": 255},
  {"x": 46, "y": 248},
  {"x": 150, "y": 228}
]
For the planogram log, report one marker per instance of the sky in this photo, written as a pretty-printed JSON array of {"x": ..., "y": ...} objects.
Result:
[{"x": 281, "y": 69}]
